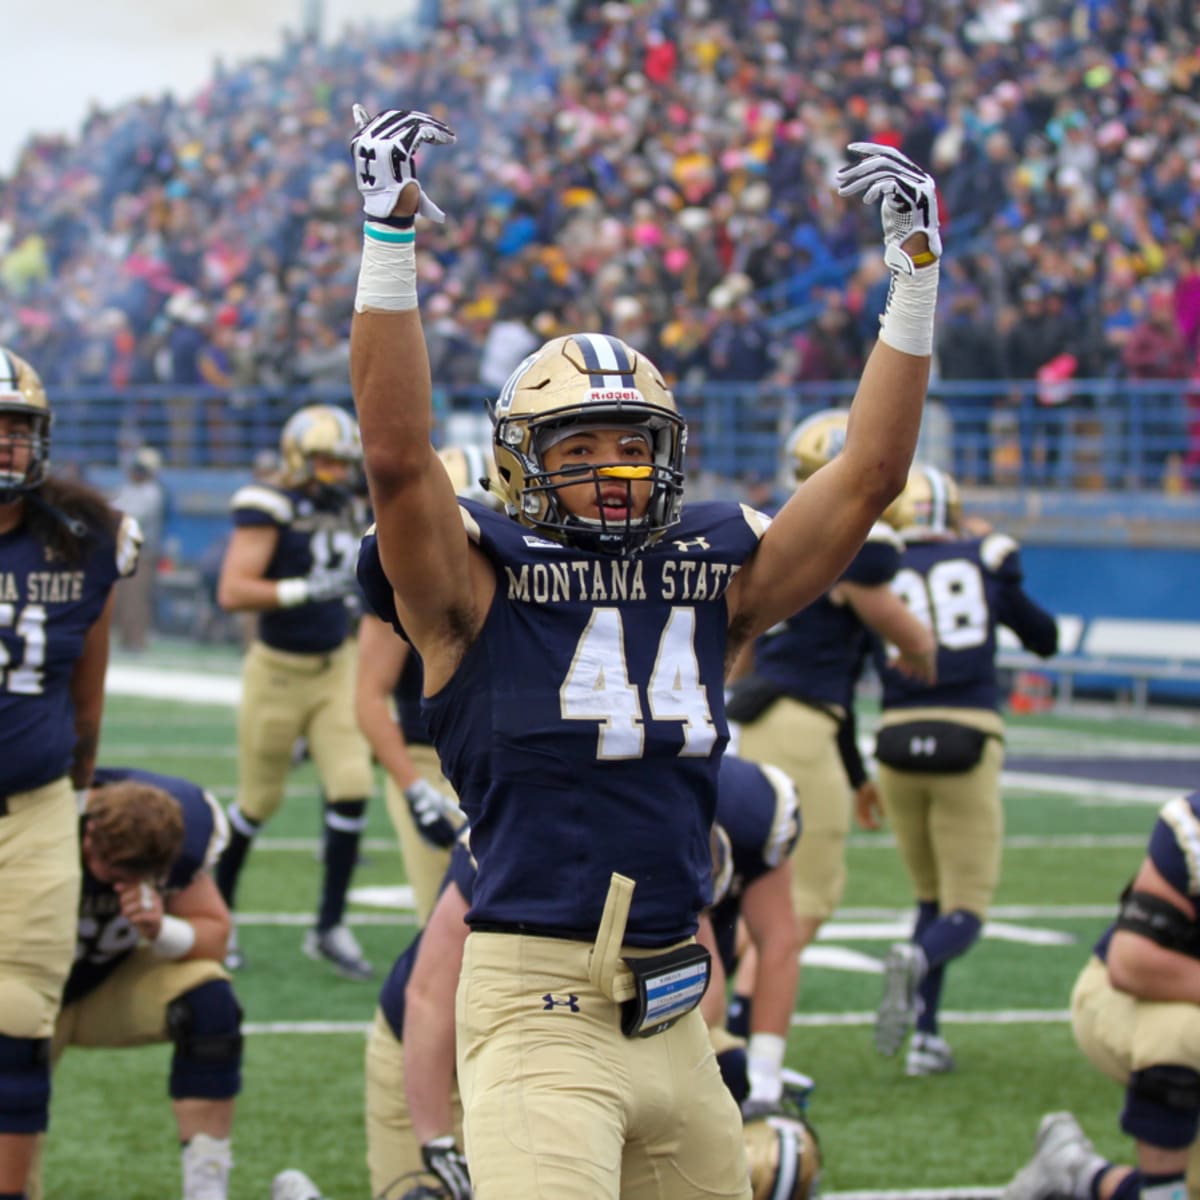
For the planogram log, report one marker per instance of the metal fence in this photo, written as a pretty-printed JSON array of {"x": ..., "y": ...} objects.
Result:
[{"x": 1095, "y": 434}]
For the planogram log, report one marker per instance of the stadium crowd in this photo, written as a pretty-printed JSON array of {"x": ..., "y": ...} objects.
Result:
[{"x": 659, "y": 170}]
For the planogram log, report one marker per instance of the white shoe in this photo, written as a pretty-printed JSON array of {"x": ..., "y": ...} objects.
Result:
[
  {"x": 928, "y": 1054},
  {"x": 206, "y": 1162},
  {"x": 294, "y": 1185},
  {"x": 1063, "y": 1164},
  {"x": 902, "y": 972},
  {"x": 340, "y": 948}
]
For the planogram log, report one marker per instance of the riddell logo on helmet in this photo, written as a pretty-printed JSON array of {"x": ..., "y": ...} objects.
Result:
[{"x": 615, "y": 395}]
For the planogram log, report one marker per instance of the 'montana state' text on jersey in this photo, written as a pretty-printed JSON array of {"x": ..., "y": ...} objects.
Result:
[
  {"x": 318, "y": 531},
  {"x": 583, "y": 728},
  {"x": 758, "y": 809},
  {"x": 815, "y": 655},
  {"x": 105, "y": 938},
  {"x": 46, "y": 609},
  {"x": 1174, "y": 849},
  {"x": 460, "y": 874},
  {"x": 962, "y": 589}
]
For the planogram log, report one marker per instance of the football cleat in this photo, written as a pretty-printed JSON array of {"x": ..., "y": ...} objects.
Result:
[
  {"x": 928, "y": 1054},
  {"x": 902, "y": 971},
  {"x": 1064, "y": 1162},
  {"x": 570, "y": 383},
  {"x": 206, "y": 1163},
  {"x": 294, "y": 1185},
  {"x": 340, "y": 948}
]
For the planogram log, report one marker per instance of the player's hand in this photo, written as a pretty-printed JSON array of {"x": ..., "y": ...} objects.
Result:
[
  {"x": 445, "y": 1160},
  {"x": 868, "y": 808},
  {"x": 384, "y": 165},
  {"x": 909, "y": 206},
  {"x": 430, "y": 810},
  {"x": 331, "y": 583},
  {"x": 142, "y": 907},
  {"x": 920, "y": 667}
]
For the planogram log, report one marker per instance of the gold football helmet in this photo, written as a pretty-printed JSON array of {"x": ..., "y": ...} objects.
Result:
[
  {"x": 317, "y": 429},
  {"x": 577, "y": 380},
  {"x": 813, "y": 442},
  {"x": 784, "y": 1158},
  {"x": 930, "y": 504},
  {"x": 21, "y": 391},
  {"x": 471, "y": 469}
]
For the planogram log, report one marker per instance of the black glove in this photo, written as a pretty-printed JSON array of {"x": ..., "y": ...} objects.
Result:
[{"x": 445, "y": 1160}]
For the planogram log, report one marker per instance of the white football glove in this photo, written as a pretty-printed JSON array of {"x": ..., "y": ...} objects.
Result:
[
  {"x": 331, "y": 583},
  {"x": 909, "y": 199},
  {"x": 431, "y": 810},
  {"x": 383, "y": 148}
]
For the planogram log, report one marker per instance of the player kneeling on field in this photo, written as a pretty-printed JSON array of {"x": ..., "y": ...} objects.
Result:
[{"x": 151, "y": 934}]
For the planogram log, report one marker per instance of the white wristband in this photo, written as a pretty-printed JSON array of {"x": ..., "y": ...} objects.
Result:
[
  {"x": 764, "y": 1065},
  {"x": 387, "y": 278},
  {"x": 175, "y": 938},
  {"x": 290, "y": 592},
  {"x": 907, "y": 321}
]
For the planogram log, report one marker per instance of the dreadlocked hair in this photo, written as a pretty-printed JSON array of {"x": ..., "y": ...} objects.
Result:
[
  {"x": 135, "y": 827},
  {"x": 66, "y": 517}
]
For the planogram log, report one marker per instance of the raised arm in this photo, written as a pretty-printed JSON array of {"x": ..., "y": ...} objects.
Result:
[
  {"x": 827, "y": 519},
  {"x": 422, "y": 542}
]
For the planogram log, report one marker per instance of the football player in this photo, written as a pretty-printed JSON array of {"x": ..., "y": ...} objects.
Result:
[
  {"x": 759, "y": 816},
  {"x": 152, "y": 929},
  {"x": 1135, "y": 1012},
  {"x": 940, "y": 748},
  {"x": 419, "y": 800},
  {"x": 62, "y": 548},
  {"x": 574, "y": 653},
  {"x": 291, "y": 560},
  {"x": 797, "y": 686}
]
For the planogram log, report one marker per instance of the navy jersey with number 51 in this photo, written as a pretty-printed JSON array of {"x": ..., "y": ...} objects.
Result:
[{"x": 583, "y": 728}]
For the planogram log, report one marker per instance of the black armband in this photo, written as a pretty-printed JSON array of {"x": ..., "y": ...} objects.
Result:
[{"x": 1160, "y": 921}]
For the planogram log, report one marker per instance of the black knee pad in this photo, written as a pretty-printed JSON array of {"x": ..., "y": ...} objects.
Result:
[
  {"x": 206, "y": 1026},
  {"x": 1162, "y": 1106},
  {"x": 24, "y": 1084}
]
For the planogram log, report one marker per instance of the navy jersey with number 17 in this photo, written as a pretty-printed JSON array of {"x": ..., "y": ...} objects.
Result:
[{"x": 583, "y": 728}]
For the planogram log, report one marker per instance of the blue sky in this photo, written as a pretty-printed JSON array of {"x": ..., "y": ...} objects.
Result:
[{"x": 61, "y": 56}]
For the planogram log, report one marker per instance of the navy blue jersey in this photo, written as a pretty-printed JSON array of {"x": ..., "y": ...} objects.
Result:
[
  {"x": 460, "y": 874},
  {"x": 46, "y": 610},
  {"x": 1174, "y": 849},
  {"x": 962, "y": 589},
  {"x": 815, "y": 656},
  {"x": 317, "y": 531},
  {"x": 408, "y": 701},
  {"x": 105, "y": 938},
  {"x": 757, "y": 808},
  {"x": 583, "y": 728}
]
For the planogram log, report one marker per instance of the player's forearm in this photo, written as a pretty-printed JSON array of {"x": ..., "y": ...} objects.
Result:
[
  {"x": 250, "y": 595},
  {"x": 1149, "y": 972},
  {"x": 775, "y": 983},
  {"x": 386, "y": 740},
  {"x": 429, "y": 1049}
]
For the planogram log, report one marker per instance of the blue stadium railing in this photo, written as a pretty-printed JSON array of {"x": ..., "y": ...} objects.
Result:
[{"x": 1091, "y": 434}]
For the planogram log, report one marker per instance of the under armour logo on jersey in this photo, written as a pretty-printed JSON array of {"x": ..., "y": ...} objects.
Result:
[
  {"x": 692, "y": 544},
  {"x": 571, "y": 1002},
  {"x": 368, "y": 157},
  {"x": 923, "y": 747}
]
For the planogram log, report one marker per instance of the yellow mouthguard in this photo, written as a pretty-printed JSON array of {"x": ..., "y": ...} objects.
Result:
[{"x": 625, "y": 472}]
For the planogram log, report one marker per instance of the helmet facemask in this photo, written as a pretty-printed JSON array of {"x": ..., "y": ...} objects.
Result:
[
  {"x": 21, "y": 392},
  {"x": 562, "y": 391}
]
